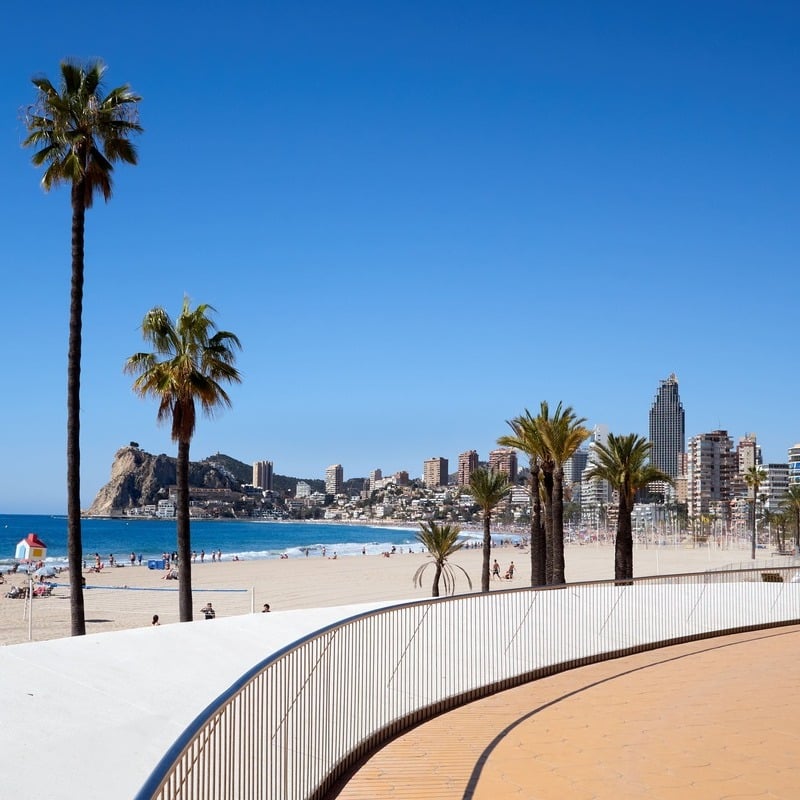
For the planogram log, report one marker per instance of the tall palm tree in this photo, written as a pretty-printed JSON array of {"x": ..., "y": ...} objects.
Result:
[
  {"x": 79, "y": 133},
  {"x": 190, "y": 361},
  {"x": 488, "y": 488},
  {"x": 754, "y": 477},
  {"x": 525, "y": 437},
  {"x": 441, "y": 541},
  {"x": 791, "y": 504},
  {"x": 624, "y": 463},
  {"x": 562, "y": 434}
]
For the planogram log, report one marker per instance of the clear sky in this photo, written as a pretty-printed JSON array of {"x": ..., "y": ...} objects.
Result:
[{"x": 420, "y": 219}]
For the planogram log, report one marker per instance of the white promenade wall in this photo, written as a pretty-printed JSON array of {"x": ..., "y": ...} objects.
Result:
[{"x": 303, "y": 717}]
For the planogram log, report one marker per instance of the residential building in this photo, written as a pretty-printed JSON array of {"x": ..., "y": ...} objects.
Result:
[
  {"x": 504, "y": 460},
  {"x": 467, "y": 464},
  {"x": 667, "y": 428},
  {"x": 710, "y": 468},
  {"x": 401, "y": 478},
  {"x": 302, "y": 490},
  {"x": 434, "y": 472},
  {"x": 334, "y": 479},
  {"x": 262, "y": 475}
]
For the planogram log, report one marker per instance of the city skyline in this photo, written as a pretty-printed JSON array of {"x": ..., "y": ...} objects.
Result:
[{"x": 622, "y": 176}]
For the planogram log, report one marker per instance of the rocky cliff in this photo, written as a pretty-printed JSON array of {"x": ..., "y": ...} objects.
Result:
[{"x": 139, "y": 478}]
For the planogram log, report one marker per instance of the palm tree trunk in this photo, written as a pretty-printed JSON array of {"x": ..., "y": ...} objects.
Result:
[
  {"x": 548, "y": 526},
  {"x": 184, "y": 537},
  {"x": 74, "y": 544},
  {"x": 538, "y": 537},
  {"x": 436, "y": 576},
  {"x": 623, "y": 549},
  {"x": 487, "y": 549},
  {"x": 558, "y": 527}
]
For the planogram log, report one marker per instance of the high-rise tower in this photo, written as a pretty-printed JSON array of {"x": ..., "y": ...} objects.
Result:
[
  {"x": 262, "y": 474},
  {"x": 667, "y": 428}
]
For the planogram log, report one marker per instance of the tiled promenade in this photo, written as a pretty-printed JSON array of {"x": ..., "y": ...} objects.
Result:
[{"x": 718, "y": 718}]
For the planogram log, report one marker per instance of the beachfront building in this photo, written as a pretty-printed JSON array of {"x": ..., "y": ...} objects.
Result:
[
  {"x": 467, "y": 464},
  {"x": 667, "y": 427},
  {"x": 711, "y": 466},
  {"x": 794, "y": 464},
  {"x": 434, "y": 472},
  {"x": 302, "y": 490},
  {"x": 504, "y": 460},
  {"x": 262, "y": 475},
  {"x": 775, "y": 485},
  {"x": 334, "y": 479}
]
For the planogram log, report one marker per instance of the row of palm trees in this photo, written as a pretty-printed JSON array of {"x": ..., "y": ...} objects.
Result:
[
  {"x": 549, "y": 439},
  {"x": 78, "y": 133}
]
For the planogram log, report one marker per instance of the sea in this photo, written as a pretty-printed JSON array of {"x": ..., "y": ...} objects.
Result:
[{"x": 244, "y": 539}]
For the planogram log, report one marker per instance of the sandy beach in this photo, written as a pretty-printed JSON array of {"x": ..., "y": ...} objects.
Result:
[{"x": 128, "y": 597}]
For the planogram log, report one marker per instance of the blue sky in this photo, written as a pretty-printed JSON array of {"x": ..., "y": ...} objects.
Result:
[{"x": 419, "y": 218}]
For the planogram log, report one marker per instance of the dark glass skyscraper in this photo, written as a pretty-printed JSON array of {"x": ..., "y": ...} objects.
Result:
[{"x": 667, "y": 428}]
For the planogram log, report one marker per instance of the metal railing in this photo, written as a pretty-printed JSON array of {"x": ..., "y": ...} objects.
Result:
[{"x": 295, "y": 724}]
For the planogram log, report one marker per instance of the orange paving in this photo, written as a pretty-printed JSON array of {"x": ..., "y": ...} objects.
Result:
[{"x": 718, "y": 718}]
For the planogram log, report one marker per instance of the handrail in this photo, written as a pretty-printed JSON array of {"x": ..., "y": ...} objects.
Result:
[{"x": 294, "y": 724}]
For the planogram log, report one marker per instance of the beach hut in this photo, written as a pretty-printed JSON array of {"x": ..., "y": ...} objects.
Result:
[{"x": 31, "y": 548}]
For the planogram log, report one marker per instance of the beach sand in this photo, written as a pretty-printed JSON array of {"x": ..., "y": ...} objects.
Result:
[{"x": 128, "y": 597}]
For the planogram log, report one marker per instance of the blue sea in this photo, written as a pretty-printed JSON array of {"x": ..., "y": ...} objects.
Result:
[{"x": 245, "y": 539}]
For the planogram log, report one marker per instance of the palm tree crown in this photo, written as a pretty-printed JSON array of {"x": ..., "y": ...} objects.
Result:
[
  {"x": 191, "y": 359},
  {"x": 441, "y": 541},
  {"x": 80, "y": 132},
  {"x": 188, "y": 363}
]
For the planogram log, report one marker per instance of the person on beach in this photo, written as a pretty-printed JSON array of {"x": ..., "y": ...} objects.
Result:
[
  {"x": 208, "y": 612},
  {"x": 155, "y": 620},
  {"x": 265, "y": 610},
  {"x": 140, "y": 559},
  {"x": 202, "y": 556},
  {"x": 496, "y": 570},
  {"x": 133, "y": 559},
  {"x": 510, "y": 571}
]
